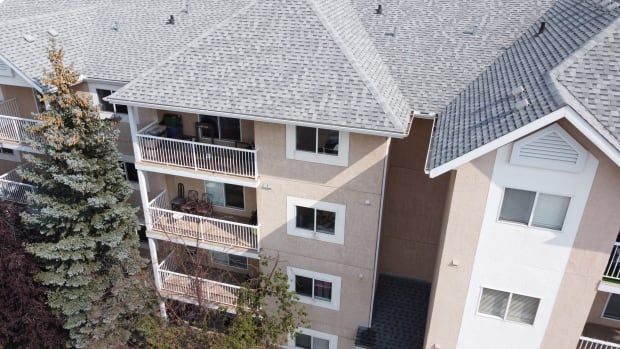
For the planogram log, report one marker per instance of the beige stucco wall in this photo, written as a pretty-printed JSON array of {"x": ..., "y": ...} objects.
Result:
[
  {"x": 358, "y": 187},
  {"x": 25, "y": 99},
  {"x": 597, "y": 233},
  {"x": 413, "y": 210},
  {"x": 465, "y": 207}
]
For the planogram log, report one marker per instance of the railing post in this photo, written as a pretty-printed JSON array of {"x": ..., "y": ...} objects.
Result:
[
  {"x": 194, "y": 157},
  {"x": 17, "y": 133},
  {"x": 255, "y": 164}
]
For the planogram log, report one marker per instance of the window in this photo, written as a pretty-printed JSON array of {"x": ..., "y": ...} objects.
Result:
[
  {"x": 131, "y": 174},
  {"x": 306, "y": 338},
  {"x": 226, "y": 195},
  {"x": 230, "y": 260},
  {"x": 220, "y": 127},
  {"x": 508, "y": 306},
  {"x": 9, "y": 154},
  {"x": 317, "y": 145},
  {"x": 106, "y": 106},
  {"x": 534, "y": 209},
  {"x": 314, "y": 288},
  {"x": 318, "y": 220},
  {"x": 612, "y": 308}
]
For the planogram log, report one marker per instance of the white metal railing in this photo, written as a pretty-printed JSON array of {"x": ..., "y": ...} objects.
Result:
[
  {"x": 591, "y": 343},
  {"x": 612, "y": 271},
  {"x": 198, "y": 156},
  {"x": 195, "y": 287},
  {"x": 201, "y": 228},
  {"x": 9, "y": 107},
  {"x": 14, "y": 129},
  {"x": 12, "y": 188}
]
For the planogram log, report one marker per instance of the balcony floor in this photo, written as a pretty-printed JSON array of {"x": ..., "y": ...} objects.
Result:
[{"x": 399, "y": 315}]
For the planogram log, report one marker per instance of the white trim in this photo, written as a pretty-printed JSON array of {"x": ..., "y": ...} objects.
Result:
[
  {"x": 257, "y": 118},
  {"x": 564, "y": 112},
  {"x": 15, "y": 157},
  {"x": 342, "y": 159},
  {"x": 582, "y": 154},
  {"x": 291, "y": 215},
  {"x": 333, "y": 339},
  {"x": 334, "y": 304}
]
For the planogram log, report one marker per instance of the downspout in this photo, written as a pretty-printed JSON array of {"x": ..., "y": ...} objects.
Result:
[{"x": 380, "y": 226}]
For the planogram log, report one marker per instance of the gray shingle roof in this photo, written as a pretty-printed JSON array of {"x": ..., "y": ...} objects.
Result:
[
  {"x": 299, "y": 60},
  {"x": 486, "y": 109}
]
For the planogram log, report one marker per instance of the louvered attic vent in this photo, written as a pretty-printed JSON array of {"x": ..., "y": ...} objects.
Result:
[
  {"x": 551, "y": 148},
  {"x": 5, "y": 70}
]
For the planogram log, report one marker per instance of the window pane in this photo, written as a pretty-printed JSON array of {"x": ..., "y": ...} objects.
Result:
[
  {"x": 612, "y": 310},
  {"x": 105, "y": 106},
  {"x": 121, "y": 109},
  {"x": 216, "y": 194},
  {"x": 219, "y": 257},
  {"x": 303, "y": 341},
  {"x": 550, "y": 211},
  {"x": 328, "y": 141},
  {"x": 325, "y": 222},
  {"x": 304, "y": 218},
  {"x": 523, "y": 309},
  {"x": 230, "y": 129},
  {"x": 303, "y": 286},
  {"x": 517, "y": 205},
  {"x": 323, "y": 290},
  {"x": 131, "y": 172},
  {"x": 320, "y": 343},
  {"x": 212, "y": 131},
  {"x": 238, "y": 261},
  {"x": 306, "y": 138},
  {"x": 493, "y": 302},
  {"x": 234, "y": 196}
]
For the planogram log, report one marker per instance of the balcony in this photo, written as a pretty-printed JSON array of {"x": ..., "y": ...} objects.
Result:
[
  {"x": 211, "y": 230},
  {"x": 591, "y": 343},
  {"x": 231, "y": 158},
  {"x": 10, "y": 107},
  {"x": 12, "y": 188},
  {"x": 200, "y": 283},
  {"x": 611, "y": 275},
  {"x": 15, "y": 130}
]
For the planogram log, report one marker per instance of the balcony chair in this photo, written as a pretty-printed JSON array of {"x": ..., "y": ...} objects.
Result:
[
  {"x": 204, "y": 206},
  {"x": 192, "y": 202},
  {"x": 180, "y": 200}
]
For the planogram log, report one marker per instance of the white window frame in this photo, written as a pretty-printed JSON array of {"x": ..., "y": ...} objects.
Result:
[
  {"x": 342, "y": 159},
  {"x": 227, "y": 264},
  {"x": 505, "y": 318},
  {"x": 529, "y": 223},
  {"x": 92, "y": 89},
  {"x": 605, "y": 308},
  {"x": 334, "y": 304},
  {"x": 291, "y": 219},
  {"x": 332, "y": 339},
  {"x": 15, "y": 157},
  {"x": 229, "y": 207}
]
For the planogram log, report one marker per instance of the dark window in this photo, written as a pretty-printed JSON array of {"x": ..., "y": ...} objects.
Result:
[
  {"x": 106, "y": 106},
  {"x": 323, "y": 290},
  {"x": 6, "y": 151},
  {"x": 303, "y": 341},
  {"x": 131, "y": 172},
  {"x": 221, "y": 128},
  {"x": 326, "y": 222},
  {"x": 517, "y": 205},
  {"x": 234, "y": 196},
  {"x": 305, "y": 218},
  {"x": 303, "y": 285},
  {"x": 612, "y": 310},
  {"x": 328, "y": 141},
  {"x": 306, "y": 138},
  {"x": 237, "y": 261}
]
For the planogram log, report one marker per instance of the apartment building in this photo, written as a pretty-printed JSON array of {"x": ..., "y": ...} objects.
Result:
[{"x": 428, "y": 175}]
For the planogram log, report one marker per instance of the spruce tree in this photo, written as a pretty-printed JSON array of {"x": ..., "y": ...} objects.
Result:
[{"x": 87, "y": 244}]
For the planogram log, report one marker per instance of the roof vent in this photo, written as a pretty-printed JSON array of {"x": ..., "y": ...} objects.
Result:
[
  {"x": 517, "y": 91},
  {"x": 170, "y": 20},
  {"x": 29, "y": 38},
  {"x": 379, "y": 10},
  {"x": 522, "y": 104},
  {"x": 52, "y": 32},
  {"x": 392, "y": 33},
  {"x": 541, "y": 28},
  {"x": 115, "y": 26},
  {"x": 186, "y": 7}
]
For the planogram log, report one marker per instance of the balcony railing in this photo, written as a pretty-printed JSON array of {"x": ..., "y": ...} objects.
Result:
[
  {"x": 612, "y": 271},
  {"x": 201, "y": 228},
  {"x": 205, "y": 291},
  {"x": 9, "y": 107},
  {"x": 198, "y": 156},
  {"x": 591, "y": 343},
  {"x": 15, "y": 130},
  {"x": 12, "y": 188}
]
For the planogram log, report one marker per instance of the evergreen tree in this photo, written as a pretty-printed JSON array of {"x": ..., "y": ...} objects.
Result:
[{"x": 87, "y": 246}]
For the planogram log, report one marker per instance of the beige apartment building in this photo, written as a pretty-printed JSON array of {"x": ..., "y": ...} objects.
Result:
[{"x": 428, "y": 175}]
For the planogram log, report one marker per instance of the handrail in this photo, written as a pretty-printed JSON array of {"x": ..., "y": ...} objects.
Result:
[
  {"x": 586, "y": 343},
  {"x": 612, "y": 270},
  {"x": 140, "y": 131},
  {"x": 15, "y": 129},
  {"x": 193, "y": 142},
  {"x": 12, "y": 189},
  {"x": 10, "y": 107}
]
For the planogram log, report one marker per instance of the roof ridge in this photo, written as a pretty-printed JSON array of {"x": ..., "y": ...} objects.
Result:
[
  {"x": 49, "y": 14},
  {"x": 367, "y": 80}
]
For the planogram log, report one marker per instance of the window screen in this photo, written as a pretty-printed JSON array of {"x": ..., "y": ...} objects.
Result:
[
  {"x": 320, "y": 343},
  {"x": 523, "y": 309},
  {"x": 550, "y": 211},
  {"x": 323, "y": 290},
  {"x": 234, "y": 196},
  {"x": 303, "y": 341},
  {"x": 238, "y": 261},
  {"x": 304, "y": 218},
  {"x": 517, "y": 205},
  {"x": 303, "y": 285},
  {"x": 493, "y": 302},
  {"x": 326, "y": 222},
  {"x": 612, "y": 310},
  {"x": 328, "y": 141}
]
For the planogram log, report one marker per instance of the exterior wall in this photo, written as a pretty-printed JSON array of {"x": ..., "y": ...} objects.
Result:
[
  {"x": 597, "y": 233},
  {"x": 25, "y": 99},
  {"x": 358, "y": 187},
  {"x": 413, "y": 210},
  {"x": 460, "y": 233},
  {"x": 124, "y": 144}
]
